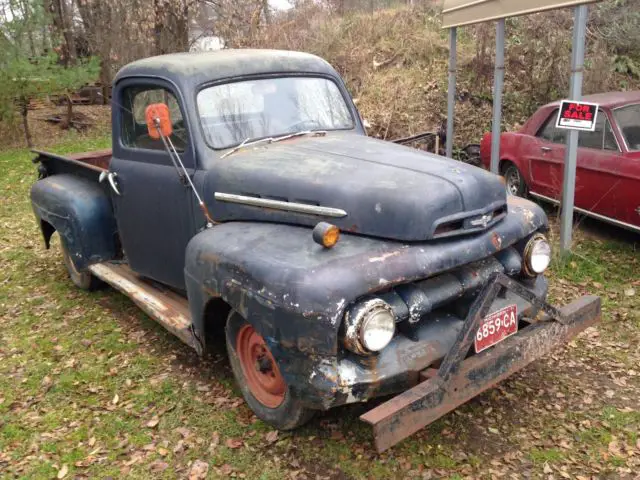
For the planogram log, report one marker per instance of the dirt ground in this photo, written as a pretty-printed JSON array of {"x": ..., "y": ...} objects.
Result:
[{"x": 96, "y": 120}]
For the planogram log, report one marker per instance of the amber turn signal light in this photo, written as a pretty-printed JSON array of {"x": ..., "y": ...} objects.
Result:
[{"x": 326, "y": 234}]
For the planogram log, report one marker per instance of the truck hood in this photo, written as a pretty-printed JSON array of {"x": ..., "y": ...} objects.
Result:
[{"x": 374, "y": 187}]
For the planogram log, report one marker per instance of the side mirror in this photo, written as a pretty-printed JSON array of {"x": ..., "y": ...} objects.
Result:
[{"x": 158, "y": 120}]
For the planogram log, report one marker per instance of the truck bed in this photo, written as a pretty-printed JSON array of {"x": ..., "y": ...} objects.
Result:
[
  {"x": 87, "y": 164},
  {"x": 95, "y": 160}
]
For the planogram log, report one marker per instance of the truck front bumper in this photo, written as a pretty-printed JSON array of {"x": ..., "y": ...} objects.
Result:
[
  {"x": 460, "y": 377},
  {"x": 407, "y": 364}
]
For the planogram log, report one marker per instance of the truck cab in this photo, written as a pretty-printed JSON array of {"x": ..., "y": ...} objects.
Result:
[{"x": 342, "y": 267}]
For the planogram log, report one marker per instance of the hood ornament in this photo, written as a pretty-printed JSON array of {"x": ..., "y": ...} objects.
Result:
[{"x": 482, "y": 221}]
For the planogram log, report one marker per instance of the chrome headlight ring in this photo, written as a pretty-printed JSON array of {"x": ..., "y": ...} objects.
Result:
[
  {"x": 536, "y": 255},
  {"x": 369, "y": 326}
]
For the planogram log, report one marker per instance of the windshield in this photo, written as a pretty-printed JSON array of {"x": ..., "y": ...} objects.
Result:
[
  {"x": 628, "y": 119},
  {"x": 252, "y": 109}
]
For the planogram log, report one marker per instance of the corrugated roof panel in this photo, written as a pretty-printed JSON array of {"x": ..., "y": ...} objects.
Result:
[{"x": 466, "y": 12}]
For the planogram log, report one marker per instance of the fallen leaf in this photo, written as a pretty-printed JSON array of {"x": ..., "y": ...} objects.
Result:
[
  {"x": 614, "y": 447},
  {"x": 226, "y": 469},
  {"x": 179, "y": 446},
  {"x": 271, "y": 436},
  {"x": 547, "y": 468},
  {"x": 630, "y": 292},
  {"x": 63, "y": 471},
  {"x": 153, "y": 422},
  {"x": 46, "y": 383},
  {"x": 115, "y": 399},
  {"x": 162, "y": 451},
  {"x": 158, "y": 466},
  {"x": 215, "y": 440},
  {"x": 233, "y": 443},
  {"x": 198, "y": 470},
  {"x": 92, "y": 441}
]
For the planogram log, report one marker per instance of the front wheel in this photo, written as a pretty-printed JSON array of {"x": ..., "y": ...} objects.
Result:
[
  {"x": 514, "y": 181},
  {"x": 259, "y": 378}
]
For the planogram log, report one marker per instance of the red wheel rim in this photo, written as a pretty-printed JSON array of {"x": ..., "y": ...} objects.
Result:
[{"x": 259, "y": 368}]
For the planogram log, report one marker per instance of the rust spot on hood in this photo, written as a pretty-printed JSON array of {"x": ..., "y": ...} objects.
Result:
[{"x": 496, "y": 240}]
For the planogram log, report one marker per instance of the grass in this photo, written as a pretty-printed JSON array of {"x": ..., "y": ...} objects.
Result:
[
  {"x": 551, "y": 455},
  {"x": 82, "y": 375}
]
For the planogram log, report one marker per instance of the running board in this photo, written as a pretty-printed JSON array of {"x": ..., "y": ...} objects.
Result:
[{"x": 164, "y": 306}]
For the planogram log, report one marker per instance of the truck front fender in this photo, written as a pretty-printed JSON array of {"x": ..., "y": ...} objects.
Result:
[
  {"x": 82, "y": 214},
  {"x": 294, "y": 291}
]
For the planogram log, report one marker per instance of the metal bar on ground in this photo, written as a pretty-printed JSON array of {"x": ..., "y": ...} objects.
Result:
[
  {"x": 575, "y": 93},
  {"x": 451, "y": 94},
  {"x": 498, "y": 83}
]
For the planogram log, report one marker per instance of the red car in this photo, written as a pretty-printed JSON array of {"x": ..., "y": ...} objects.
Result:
[{"x": 608, "y": 167}]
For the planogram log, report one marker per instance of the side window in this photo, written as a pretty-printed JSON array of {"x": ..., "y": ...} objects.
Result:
[
  {"x": 549, "y": 132},
  {"x": 134, "y": 127},
  {"x": 601, "y": 138}
]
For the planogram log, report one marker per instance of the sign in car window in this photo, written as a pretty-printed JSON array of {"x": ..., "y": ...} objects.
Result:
[{"x": 577, "y": 115}]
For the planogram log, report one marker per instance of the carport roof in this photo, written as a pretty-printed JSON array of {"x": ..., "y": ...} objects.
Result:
[
  {"x": 608, "y": 99},
  {"x": 466, "y": 12}
]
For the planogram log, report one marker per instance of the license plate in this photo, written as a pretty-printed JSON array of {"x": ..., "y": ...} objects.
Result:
[{"x": 496, "y": 326}]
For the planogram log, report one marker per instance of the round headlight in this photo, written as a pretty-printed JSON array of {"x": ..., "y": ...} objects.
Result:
[
  {"x": 377, "y": 330},
  {"x": 369, "y": 326},
  {"x": 537, "y": 255}
]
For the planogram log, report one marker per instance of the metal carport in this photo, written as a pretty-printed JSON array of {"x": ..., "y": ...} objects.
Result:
[{"x": 457, "y": 13}]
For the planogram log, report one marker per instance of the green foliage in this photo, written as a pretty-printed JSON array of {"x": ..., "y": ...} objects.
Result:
[
  {"x": 625, "y": 64},
  {"x": 22, "y": 79},
  {"x": 24, "y": 26}
]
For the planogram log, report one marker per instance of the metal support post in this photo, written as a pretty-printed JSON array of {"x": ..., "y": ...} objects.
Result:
[
  {"x": 498, "y": 83},
  {"x": 451, "y": 94},
  {"x": 575, "y": 93}
]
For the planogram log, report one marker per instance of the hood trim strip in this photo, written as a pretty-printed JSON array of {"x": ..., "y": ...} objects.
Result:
[{"x": 281, "y": 205}]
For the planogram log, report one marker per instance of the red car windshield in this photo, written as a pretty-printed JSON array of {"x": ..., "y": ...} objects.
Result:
[{"x": 628, "y": 119}]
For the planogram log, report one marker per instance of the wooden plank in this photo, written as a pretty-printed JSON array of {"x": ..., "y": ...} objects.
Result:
[{"x": 166, "y": 307}]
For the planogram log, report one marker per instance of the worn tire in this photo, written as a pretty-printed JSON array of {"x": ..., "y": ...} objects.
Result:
[
  {"x": 290, "y": 414},
  {"x": 514, "y": 180},
  {"x": 82, "y": 280}
]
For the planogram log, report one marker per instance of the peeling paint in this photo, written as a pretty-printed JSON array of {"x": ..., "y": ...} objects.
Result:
[{"x": 384, "y": 257}]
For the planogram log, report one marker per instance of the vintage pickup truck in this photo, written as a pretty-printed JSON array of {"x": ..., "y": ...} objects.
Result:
[{"x": 243, "y": 198}]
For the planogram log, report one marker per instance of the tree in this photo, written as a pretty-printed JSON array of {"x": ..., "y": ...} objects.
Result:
[
  {"x": 171, "y": 25},
  {"x": 63, "y": 25},
  {"x": 22, "y": 79}
]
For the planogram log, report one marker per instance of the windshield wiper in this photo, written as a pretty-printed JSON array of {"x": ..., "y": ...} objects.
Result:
[{"x": 247, "y": 141}]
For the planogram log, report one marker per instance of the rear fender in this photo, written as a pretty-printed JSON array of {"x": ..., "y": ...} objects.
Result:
[{"x": 82, "y": 214}]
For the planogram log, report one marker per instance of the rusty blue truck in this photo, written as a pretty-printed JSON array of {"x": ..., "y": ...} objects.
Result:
[{"x": 242, "y": 197}]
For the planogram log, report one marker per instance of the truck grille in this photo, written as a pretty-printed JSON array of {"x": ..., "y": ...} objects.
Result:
[{"x": 412, "y": 301}]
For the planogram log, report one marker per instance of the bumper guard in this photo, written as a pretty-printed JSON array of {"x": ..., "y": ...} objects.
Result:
[{"x": 459, "y": 379}]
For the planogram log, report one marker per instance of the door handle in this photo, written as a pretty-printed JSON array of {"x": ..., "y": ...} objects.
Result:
[
  {"x": 545, "y": 149},
  {"x": 111, "y": 178}
]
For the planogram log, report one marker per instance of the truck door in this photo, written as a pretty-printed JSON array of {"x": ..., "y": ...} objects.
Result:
[{"x": 154, "y": 209}]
